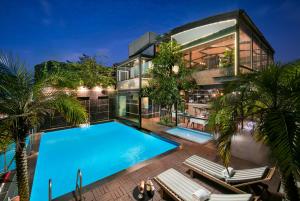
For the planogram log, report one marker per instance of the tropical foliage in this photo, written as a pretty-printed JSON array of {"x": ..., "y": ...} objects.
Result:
[
  {"x": 169, "y": 76},
  {"x": 85, "y": 72},
  {"x": 270, "y": 98},
  {"x": 23, "y": 103},
  {"x": 228, "y": 59},
  {"x": 5, "y": 141}
]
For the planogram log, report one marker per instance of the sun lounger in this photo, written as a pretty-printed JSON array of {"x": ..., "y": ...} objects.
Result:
[
  {"x": 179, "y": 187},
  {"x": 213, "y": 171}
]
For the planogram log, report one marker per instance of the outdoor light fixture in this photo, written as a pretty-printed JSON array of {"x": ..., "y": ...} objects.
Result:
[
  {"x": 82, "y": 89},
  {"x": 110, "y": 88},
  {"x": 175, "y": 69},
  {"x": 97, "y": 88}
]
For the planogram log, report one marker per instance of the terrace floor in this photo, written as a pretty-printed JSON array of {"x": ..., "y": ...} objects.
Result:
[{"x": 121, "y": 185}]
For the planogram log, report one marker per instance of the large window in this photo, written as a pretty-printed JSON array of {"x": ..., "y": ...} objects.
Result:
[
  {"x": 128, "y": 106},
  {"x": 264, "y": 58},
  {"x": 215, "y": 54},
  {"x": 245, "y": 49},
  {"x": 128, "y": 70},
  {"x": 254, "y": 54}
]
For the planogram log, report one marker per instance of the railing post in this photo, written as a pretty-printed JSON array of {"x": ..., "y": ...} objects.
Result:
[
  {"x": 50, "y": 190},
  {"x": 79, "y": 187}
]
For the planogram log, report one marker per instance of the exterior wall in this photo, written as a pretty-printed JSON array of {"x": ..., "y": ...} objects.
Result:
[{"x": 99, "y": 104}]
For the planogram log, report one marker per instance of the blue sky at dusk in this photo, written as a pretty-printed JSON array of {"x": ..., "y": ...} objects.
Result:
[{"x": 40, "y": 30}]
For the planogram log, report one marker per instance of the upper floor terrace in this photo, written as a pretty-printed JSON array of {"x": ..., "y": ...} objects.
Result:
[
  {"x": 218, "y": 48},
  {"x": 223, "y": 46}
]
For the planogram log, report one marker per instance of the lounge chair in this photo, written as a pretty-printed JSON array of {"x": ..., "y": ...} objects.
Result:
[
  {"x": 213, "y": 171},
  {"x": 179, "y": 187}
]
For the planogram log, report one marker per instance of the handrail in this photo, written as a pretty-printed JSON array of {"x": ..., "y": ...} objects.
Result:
[
  {"x": 50, "y": 190},
  {"x": 78, "y": 187}
]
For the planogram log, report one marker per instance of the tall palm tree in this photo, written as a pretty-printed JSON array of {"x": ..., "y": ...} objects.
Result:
[
  {"x": 270, "y": 98},
  {"x": 24, "y": 102}
]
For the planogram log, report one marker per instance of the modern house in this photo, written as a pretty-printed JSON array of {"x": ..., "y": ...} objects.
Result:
[{"x": 219, "y": 48}]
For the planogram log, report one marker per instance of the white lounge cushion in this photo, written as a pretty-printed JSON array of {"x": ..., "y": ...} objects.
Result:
[
  {"x": 184, "y": 187},
  {"x": 230, "y": 197},
  {"x": 247, "y": 175},
  {"x": 201, "y": 195},
  {"x": 179, "y": 184},
  {"x": 215, "y": 169},
  {"x": 207, "y": 166}
]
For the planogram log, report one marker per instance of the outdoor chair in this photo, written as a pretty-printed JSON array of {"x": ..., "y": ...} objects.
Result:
[
  {"x": 179, "y": 187},
  {"x": 214, "y": 172}
]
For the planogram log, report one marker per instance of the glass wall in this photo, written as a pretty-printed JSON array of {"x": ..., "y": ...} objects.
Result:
[
  {"x": 264, "y": 58},
  {"x": 216, "y": 54},
  {"x": 128, "y": 85},
  {"x": 254, "y": 55},
  {"x": 245, "y": 49},
  {"x": 128, "y": 106}
]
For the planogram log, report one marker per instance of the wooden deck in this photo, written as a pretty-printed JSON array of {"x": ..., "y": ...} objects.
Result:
[{"x": 120, "y": 186}]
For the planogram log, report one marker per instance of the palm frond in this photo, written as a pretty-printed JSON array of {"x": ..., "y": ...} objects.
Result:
[
  {"x": 282, "y": 135},
  {"x": 70, "y": 108}
]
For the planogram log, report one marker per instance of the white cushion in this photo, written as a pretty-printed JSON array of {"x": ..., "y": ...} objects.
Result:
[
  {"x": 229, "y": 172},
  {"x": 201, "y": 195}
]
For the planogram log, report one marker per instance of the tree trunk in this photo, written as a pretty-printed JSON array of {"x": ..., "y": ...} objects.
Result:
[
  {"x": 170, "y": 114},
  {"x": 290, "y": 188},
  {"x": 22, "y": 169}
]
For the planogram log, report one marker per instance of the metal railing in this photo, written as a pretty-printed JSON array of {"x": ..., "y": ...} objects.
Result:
[
  {"x": 50, "y": 190},
  {"x": 78, "y": 188},
  {"x": 12, "y": 189}
]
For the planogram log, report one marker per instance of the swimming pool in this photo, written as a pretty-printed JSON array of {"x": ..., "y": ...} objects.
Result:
[
  {"x": 98, "y": 151},
  {"x": 189, "y": 134}
]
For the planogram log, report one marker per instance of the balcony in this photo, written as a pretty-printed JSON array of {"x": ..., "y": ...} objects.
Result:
[
  {"x": 213, "y": 76},
  {"x": 131, "y": 84}
]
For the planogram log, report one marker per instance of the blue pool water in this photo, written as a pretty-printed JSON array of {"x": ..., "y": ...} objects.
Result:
[
  {"x": 99, "y": 151},
  {"x": 189, "y": 134}
]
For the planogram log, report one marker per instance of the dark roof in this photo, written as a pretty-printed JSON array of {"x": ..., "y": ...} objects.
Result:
[
  {"x": 131, "y": 59},
  {"x": 237, "y": 14}
]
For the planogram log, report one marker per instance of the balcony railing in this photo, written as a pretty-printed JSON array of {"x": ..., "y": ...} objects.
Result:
[{"x": 132, "y": 84}]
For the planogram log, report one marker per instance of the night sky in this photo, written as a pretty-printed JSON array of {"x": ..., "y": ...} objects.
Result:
[{"x": 40, "y": 30}]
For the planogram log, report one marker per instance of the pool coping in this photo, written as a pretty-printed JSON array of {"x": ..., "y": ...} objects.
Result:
[{"x": 133, "y": 168}]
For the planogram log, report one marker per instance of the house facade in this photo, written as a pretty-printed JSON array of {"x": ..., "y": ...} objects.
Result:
[{"x": 218, "y": 48}]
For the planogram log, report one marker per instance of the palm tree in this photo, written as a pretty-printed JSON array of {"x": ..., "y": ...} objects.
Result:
[
  {"x": 270, "y": 98},
  {"x": 23, "y": 103}
]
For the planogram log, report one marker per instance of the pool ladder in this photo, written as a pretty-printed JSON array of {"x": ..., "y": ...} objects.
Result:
[
  {"x": 78, "y": 187},
  {"x": 50, "y": 190}
]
